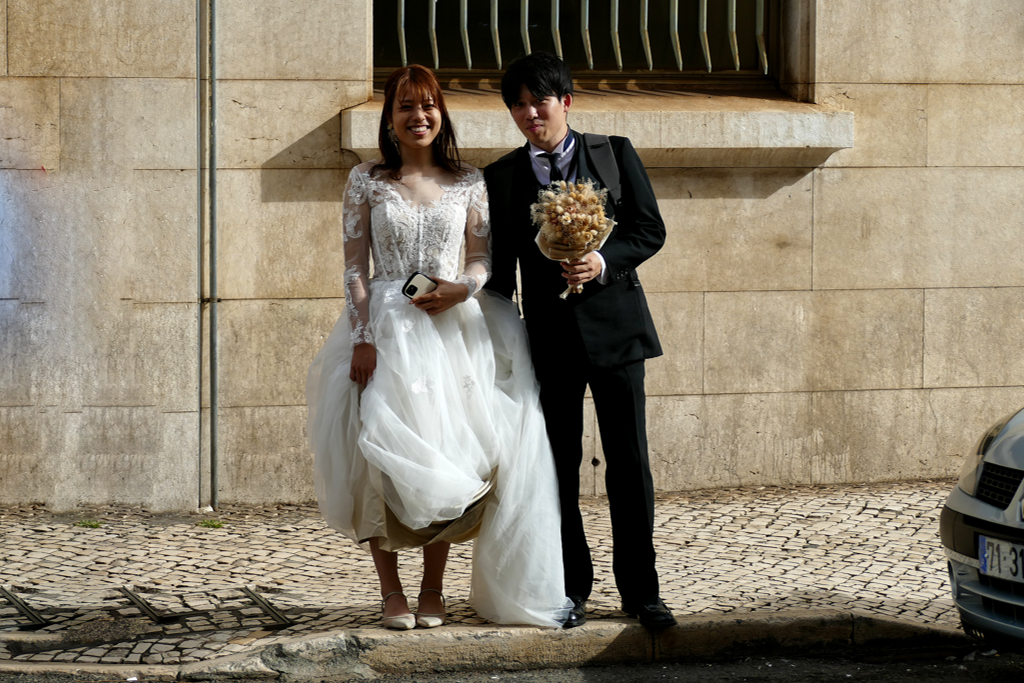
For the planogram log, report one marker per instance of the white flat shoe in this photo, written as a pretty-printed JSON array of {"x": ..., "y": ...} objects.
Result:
[
  {"x": 431, "y": 620},
  {"x": 399, "y": 622}
]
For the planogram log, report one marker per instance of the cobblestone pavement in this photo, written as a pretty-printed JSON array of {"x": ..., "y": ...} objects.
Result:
[{"x": 870, "y": 547}]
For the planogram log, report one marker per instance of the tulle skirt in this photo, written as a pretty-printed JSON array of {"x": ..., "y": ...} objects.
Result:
[{"x": 446, "y": 442}]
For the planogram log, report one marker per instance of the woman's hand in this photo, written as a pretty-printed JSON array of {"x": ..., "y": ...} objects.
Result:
[
  {"x": 364, "y": 362},
  {"x": 441, "y": 299}
]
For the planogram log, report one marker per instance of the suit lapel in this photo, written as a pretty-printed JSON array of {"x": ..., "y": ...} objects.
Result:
[
  {"x": 585, "y": 171},
  {"x": 582, "y": 167},
  {"x": 524, "y": 186}
]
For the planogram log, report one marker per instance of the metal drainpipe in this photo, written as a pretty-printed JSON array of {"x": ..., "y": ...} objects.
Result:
[
  {"x": 214, "y": 459},
  {"x": 206, "y": 156},
  {"x": 200, "y": 217}
]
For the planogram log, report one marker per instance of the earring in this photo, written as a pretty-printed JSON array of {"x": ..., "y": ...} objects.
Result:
[{"x": 392, "y": 135}]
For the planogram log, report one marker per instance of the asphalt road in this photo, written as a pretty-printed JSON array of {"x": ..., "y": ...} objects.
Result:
[
  {"x": 973, "y": 667},
  {"x": 992, "y": 669}
]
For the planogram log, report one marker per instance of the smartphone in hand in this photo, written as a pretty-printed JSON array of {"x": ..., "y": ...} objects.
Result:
[{"x": 418, "y": 284}]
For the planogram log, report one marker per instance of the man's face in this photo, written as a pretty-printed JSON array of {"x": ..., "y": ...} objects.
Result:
[{"x": 542, "y": 120}]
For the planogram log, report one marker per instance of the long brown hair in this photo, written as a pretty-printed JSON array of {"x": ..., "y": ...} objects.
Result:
[{"x": 425, "y": 84}]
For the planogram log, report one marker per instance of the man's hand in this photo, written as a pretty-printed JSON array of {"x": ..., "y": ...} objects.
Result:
[
  {"x": 556, "y": 250},
  {"x": 582, "y": 270},
  {"x": 364, "y": 362},
  {"x": 446, "y": 295}
]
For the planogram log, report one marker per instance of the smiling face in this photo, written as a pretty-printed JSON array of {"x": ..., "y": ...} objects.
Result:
[
  {"x": 541, "y": 119},
  {"x": 415, "y": 118}
]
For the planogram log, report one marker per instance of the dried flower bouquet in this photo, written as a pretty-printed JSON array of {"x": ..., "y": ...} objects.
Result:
[{"x": 571, "y": 222}]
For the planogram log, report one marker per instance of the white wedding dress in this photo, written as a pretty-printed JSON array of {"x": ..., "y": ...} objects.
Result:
[{"x": 447, "y": 440}]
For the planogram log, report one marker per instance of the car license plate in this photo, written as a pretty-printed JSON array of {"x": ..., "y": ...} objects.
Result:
[{"x": 1001, "y": 558}]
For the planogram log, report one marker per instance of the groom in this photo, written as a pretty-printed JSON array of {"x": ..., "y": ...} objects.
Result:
[{"x": 598, "y": 338}]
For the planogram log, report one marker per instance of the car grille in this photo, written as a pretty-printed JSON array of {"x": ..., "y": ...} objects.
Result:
[
  {"x": 1007, "y": 610},
  {"x": 998, "y": 484}
]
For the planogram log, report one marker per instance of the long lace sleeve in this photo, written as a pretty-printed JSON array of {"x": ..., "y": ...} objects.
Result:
[
  {"x": 356, "y": 219},
  {"x": 477, "y": 269}
]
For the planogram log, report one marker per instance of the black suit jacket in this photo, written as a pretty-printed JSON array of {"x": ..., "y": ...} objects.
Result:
[{"x": 613, "y": 319}]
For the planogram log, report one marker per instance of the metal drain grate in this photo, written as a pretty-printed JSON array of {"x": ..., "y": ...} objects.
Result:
[
  {"x": 36, "y": 621},
  {"x": 280, "y": 621},
  {"x": 167, "y": 615}
]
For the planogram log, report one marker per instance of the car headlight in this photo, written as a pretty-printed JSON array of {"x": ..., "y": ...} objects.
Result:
[{"x": 972, "y": 463}]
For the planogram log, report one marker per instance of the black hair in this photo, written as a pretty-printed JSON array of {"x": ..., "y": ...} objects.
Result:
[{"x": 542, "y": 73}]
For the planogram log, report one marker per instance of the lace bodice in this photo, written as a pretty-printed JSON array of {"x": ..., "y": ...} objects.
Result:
[{"x": 410, "y": 226}]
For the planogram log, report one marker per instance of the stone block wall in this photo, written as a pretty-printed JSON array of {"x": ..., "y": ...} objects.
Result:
[
  {"x": 856, "y": 320},
  {"x": 98, "y": 339},
  {"x": 99, "y": 243},
  {"x": 285, "y": 71}
]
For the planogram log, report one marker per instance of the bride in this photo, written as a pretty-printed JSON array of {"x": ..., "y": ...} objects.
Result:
[{"x": 423, "y": 412}]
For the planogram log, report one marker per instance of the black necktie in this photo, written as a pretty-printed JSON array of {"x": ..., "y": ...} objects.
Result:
[{"x": 552, "y": 157}]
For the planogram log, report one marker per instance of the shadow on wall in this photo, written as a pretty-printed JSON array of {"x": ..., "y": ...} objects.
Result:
[{"x": 319, "y": 149}]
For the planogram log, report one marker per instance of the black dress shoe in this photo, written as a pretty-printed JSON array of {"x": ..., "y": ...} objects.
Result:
[
  {"x": 578, "y": 613},
  {"x": 653, "y": 614}
]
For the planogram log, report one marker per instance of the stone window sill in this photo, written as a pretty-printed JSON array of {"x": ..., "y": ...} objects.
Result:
[{"x": 668, "y": 129}]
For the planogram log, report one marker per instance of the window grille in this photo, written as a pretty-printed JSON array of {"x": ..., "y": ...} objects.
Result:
[{"x": 646, "y": 38}]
